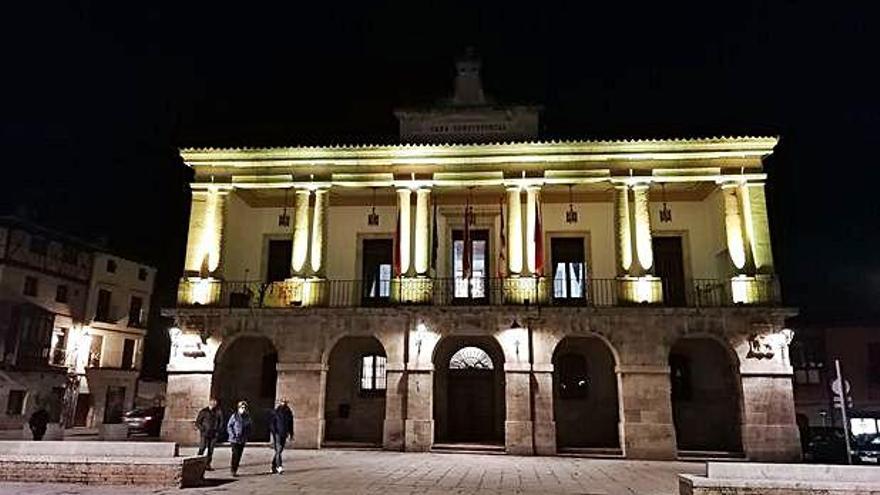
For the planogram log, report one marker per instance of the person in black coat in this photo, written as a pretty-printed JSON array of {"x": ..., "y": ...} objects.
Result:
[
  {"x": 280, "y": 429},
  {"x": 38, "y": 423},
  {"x": 209, "y": 423}
]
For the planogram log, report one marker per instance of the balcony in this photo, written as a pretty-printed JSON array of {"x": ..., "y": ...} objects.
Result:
[{"x": 535, "y": 291}]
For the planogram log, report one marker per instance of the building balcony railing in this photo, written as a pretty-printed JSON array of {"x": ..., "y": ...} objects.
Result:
[{"x": 520, "y": 291}]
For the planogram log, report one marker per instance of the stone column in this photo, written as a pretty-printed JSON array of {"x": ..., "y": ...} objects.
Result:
[
  {"x": 185, "y": 394},
  {"x": 646, "y": 427},
  {"x": 419, "y": 424},
  {"x": 300, "y": 234},
  {"x": 543, "y": 423},
  {"x": 304, "y": 385},
  {"x": 405, "y": 234},
  {"x": 531, "y": 225},
  {"x": 624, "y": 236},
  {"x": 757, "y": 226},
  {"x": 641, "y": 215},
  {"x": 395, "y": 397},
  {"x": 733, "y": 226},
  {"x": 205, "y": 238},
  {"x": 769, "y": 429},
  {"x": 514, "y": 232},
  {"x": 423, "y": 231},
  {"x": 319, "y": 228},
  {"x": 518, "y": 417}
]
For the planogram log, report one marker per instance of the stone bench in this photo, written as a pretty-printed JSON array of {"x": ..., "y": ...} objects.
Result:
[
  {"x": 730, "y": 478},
  {"x": 110, "y": 463}
]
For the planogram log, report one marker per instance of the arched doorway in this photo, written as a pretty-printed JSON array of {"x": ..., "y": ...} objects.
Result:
[
  {"x": 705, "y": 396},
  {"x": 246, "y": 370},
  {"x": 354, "y": 408},
  {"x": 585, "y": 400},
  {"x": 469, "y": 391}
]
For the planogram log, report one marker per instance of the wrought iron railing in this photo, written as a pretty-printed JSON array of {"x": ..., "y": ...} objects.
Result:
[{"x": 535, "y": 291}]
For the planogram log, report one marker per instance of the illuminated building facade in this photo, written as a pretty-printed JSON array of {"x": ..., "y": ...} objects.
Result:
[{"x": 536, "y": 297}]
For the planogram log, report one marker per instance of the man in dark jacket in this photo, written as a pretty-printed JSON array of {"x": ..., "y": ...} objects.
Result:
[
  {"x": 38, "y": 422},
  {"x": 239, "y": 429},
  {"x": 280, "y": 428},
  {"x": 210, "y": 424}
]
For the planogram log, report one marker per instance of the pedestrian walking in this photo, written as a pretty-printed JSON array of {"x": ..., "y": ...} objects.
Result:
[
  {"x": 38, "y": 423},
  {"x": 210, "y": 423},
  {"x": 239, "y": 429},
  {"x": 280, "y": 429}
]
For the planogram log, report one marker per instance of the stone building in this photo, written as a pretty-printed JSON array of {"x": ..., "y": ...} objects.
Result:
[
  {"x": 72, "y": 323},
  {"x": 613, "y": 297}
]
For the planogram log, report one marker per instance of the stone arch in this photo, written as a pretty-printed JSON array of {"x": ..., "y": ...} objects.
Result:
[
  {"x": 469, "y": 402},
  {"x": 585, "y": 392},
  {"x": 705, "y": 394},
  {"x": 356, "y": 386},
  {"x": 249, "y": 373}
]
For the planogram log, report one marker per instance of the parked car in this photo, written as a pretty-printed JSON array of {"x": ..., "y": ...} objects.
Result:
[
  {"x": 144, "y": 420},
  {"x": 866, "y": 449}
]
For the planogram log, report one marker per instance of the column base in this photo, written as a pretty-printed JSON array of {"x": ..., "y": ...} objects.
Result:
[
  {"x": 419, "y": 435},
  {"x": 518, "y": 438},
  {"x": 392, "y": 434},
  {"x": 771, "y": 443},
  {"x": 649, "y": 441},
  {"x": 640, "y": 290},
  {"x": 545, "y": 437}
]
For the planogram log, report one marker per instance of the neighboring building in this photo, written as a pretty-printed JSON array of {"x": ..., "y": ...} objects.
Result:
[
  {"x": 73, "y": 320},
  {"x": 421, "y": 296},
  {"x": 813, "y": 351}
]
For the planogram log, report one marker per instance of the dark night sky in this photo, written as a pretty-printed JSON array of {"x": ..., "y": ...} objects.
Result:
[{"x": 97, "y": 97}]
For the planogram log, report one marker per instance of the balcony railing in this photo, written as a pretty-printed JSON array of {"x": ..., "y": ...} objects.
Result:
[{"x": 534, "y": 291}]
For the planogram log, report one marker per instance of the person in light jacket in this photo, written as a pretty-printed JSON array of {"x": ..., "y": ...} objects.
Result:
[{"x": 239, "y": 429}]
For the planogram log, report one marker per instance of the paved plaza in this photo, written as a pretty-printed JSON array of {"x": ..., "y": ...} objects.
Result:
[{"x": 392, "y": 473}]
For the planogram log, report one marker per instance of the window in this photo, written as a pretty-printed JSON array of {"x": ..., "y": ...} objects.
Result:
[
  {"x": 128, "y": 354},
  {"x": 15, "y": 403},
  {"x": 377, "y": 259},
  {"x": 69, "y": 255},
  {"x": 470, "y": 272},
  {"x": 61, "y": 293},
  {"x": 874, "y": 363},
  {"x": 30, "y": 286},
  {"x": 142, "y": 273},
  {"x": 102, "y": 311},
  {"x": 111, "y": 266},
  {"x": 58, "y": 355},
  {"x": 95, "y": 351},
  {"x": 807, "y": 358},
  {"x": 135, "y": 312},
  {"x": 34, "y": 327},
  {"x": 39, "y": 245},
  {"x": 680, "y": 376},
  {"x": 569, "y": 270},
  {"x": 373, "y": 374},
  {"x": 470, "y": 358},
  {"x": 574, "y": 380}
]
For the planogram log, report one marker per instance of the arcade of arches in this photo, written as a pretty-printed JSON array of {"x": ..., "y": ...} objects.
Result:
[{"x": 527, "y": 391}]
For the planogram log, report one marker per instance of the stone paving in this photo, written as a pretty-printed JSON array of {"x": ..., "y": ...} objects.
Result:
[{"x": 378, "y": 472}]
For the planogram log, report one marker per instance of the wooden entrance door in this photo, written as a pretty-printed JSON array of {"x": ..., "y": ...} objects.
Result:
[
  {"x": 471, "y": 403},
  {"x": 669, "y": 266}
]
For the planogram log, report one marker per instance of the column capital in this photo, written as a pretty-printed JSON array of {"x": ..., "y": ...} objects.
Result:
[
  {"x": 513, "y": 188},
  {"x": 640, "y": 186},
  {"x": 730, "y": 184}
]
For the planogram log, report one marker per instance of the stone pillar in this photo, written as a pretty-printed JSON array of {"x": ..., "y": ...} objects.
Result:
[
  {"x": 733, "y": 226},
  {"x": 624, "y": 236},
  {"x": 642, "y": 217},
  {"x": 304, "y": 385},
  {"x": 395, "y": 397},
  {"x": 769, "y": 429},
  {"x": 518, "y": 417},
  {"x": 646, "y": 427},
  {"x": 318, "y": 248},
  {"x": 186, "y": 393},
  {"x": 405, "y": 234},
  {"x": 514, "y": 232},
  {"x": 300, "y": 234},
  {"x": 423, "y": 231},
  {"x": 531, "y": 226},
  {"x": 543, "y": 423},
  {"x": 419, "y": 424},
  {"x": 205, "y": 238},
  {"x": 757, "y": 226}
]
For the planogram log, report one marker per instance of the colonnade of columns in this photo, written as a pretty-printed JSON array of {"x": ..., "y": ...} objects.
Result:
[
  {"x": 522, "y": 255},
  {"x": 747, "y": 232},
  {"x": 635, "y": 252},
  {"x": 309, "y": 232}
]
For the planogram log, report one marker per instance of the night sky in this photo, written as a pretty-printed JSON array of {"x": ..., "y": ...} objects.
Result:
[{"x": 97, "y": 97}]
